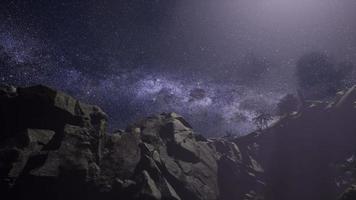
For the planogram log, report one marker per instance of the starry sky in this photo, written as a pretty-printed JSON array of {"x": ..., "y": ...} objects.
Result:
[{"x": 135, "y": 58}]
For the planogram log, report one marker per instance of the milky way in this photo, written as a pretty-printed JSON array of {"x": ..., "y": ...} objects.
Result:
[
  {"x": 134, "y": 94},
  {"x": 141, "y": 57},
  {"x": 140, "y": 93}
]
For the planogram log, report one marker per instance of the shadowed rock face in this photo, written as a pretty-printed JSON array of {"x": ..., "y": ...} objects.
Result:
[
  {"x": 55, "y": 147},
  {"x": 50, "y": 143},
  {"x": 161, "y": 158},
  {"x": 302, "y": 154}
]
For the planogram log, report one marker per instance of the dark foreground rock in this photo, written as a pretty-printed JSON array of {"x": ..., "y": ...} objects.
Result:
[
  {"x": 309, "y": 155},
  {"x": 50, "y": 144},
  {"x": 55, "y": 147}
]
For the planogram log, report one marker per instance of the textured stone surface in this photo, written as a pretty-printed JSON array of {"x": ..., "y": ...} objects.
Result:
[
  {"x": 55, "y": 147},
  {"x": 49, "y": 143}
]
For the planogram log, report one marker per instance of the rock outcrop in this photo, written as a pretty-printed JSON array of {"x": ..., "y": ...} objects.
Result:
[
  {"x": 161, "y": 158},
  {"x": 55, "y": 147},
  {"x": 50, "y": 143},
  {"x": 301, "y": 153}
]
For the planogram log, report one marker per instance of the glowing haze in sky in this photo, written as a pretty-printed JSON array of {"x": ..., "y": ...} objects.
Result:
[{"x": 140, "y": 57}]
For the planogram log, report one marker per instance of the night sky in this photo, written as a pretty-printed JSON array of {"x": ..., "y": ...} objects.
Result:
[{"x": 135, "y": 58}]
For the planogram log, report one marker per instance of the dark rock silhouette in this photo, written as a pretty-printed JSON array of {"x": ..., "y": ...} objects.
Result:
[
  {"x": 55, "y": 147},
  {"x": 301, "y": 152}
]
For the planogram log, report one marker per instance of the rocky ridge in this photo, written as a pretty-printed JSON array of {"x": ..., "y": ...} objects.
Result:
[
  {"x": 308, "y": 154},
  {"x": 54, "y": 147}
]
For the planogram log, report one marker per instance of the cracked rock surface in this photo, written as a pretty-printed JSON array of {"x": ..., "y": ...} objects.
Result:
[{"x": 54, "y": 147}]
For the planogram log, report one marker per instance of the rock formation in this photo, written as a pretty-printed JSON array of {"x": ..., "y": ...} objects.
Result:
[
  {"x": 303, "y": 153},
  {"x": 55, "y": 147}
]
